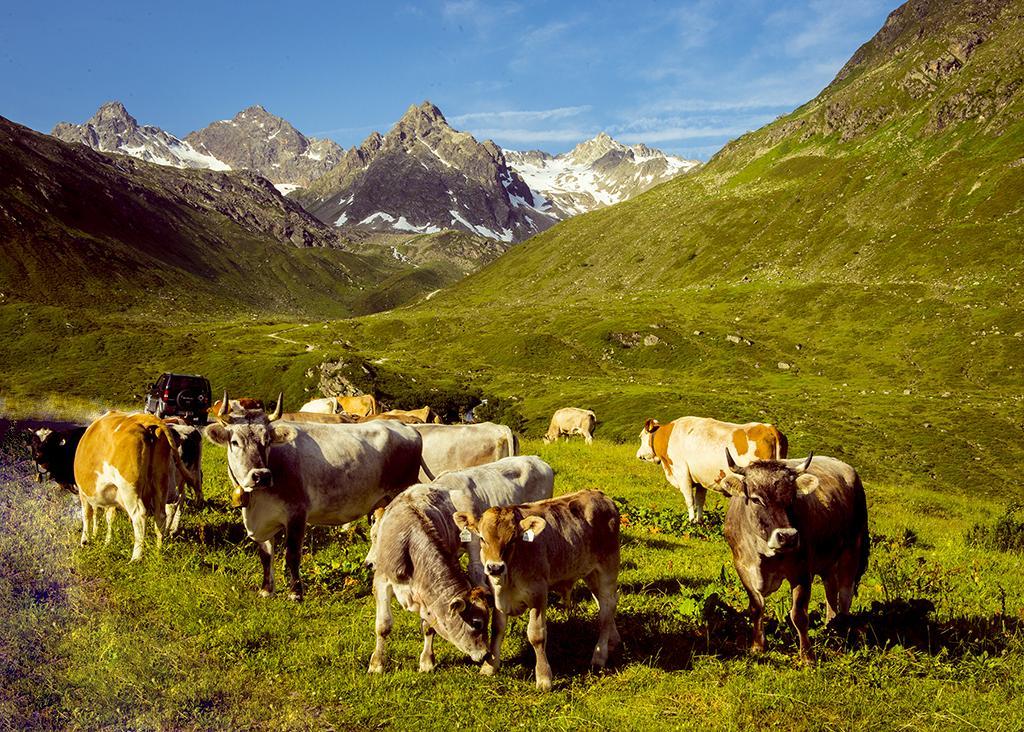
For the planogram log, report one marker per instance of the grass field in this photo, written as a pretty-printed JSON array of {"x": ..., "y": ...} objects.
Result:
[{"x": 181, "y": 640}]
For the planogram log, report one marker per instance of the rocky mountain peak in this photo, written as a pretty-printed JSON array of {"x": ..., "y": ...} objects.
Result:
[{"x": 590, "y": 150}]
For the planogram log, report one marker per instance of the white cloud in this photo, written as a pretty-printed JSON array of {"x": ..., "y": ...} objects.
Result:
[
  {"x": 520, "y": 116},
  {"x": 529, "y": 137}
]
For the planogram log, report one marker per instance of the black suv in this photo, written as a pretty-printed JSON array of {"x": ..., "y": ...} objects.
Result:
[{"x": 180, "y": 395}]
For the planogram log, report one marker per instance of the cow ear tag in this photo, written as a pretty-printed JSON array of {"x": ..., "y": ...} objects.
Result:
[
  {"x": 465, "y": 536},
  {"x": 528, "y": 535}
]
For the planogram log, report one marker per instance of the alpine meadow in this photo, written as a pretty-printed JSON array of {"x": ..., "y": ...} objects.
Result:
[{"x": 848, "y": 278}]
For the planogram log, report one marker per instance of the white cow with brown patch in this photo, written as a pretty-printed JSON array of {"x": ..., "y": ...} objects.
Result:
[
  {"x": 571, "y": 421},
  {"x": 691, "y": 451}
]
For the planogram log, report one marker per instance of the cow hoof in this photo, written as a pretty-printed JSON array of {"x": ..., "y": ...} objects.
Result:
[
  {"x": 295, "y": 596},
  {"x": 426, "y": 668},
  {"x": 543, "y": 684},
  {"x": 488, "y": 670},
  {"x": 806, "y": 659},
  {"x": 266, "y": 593},
  {"x": 375, "y": 669}
]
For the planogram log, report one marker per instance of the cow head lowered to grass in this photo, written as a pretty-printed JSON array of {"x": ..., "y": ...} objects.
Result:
[{"x": 248, "y": 438}]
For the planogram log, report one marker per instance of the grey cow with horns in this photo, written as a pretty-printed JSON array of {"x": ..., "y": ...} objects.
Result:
[{"x": 287, "y": 475}]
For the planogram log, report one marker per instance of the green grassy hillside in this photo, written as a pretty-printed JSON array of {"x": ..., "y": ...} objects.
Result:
[{"x": 850, "y": 271}]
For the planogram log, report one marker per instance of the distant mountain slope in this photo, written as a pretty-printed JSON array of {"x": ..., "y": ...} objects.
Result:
[
  {"x": 907, "y": 167},
  {"x": 596, "y": 173},
  {"x": 112, "y": 129},
  {"x": 253, "y": 139},
  {"x": 423, "y": 176},
  {"x": 87, "y": 229}
]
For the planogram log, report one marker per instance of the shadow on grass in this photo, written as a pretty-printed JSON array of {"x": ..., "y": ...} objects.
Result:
[{"x": 911, "y": 624}]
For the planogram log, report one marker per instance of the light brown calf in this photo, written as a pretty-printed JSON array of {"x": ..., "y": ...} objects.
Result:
[{"x": 532, "y": 548}]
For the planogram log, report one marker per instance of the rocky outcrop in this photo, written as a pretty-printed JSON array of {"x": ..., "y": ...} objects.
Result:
[
  {"x": 112, "y": 129},
  {"x": 423, "y": 177},
  {"x": 252, "y": 140},
  {"x": 256, "y": 140}
]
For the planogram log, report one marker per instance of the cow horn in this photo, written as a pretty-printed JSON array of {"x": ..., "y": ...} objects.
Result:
[
  {"x": 807, "y": 463},
  {"x": 732, "y": 464},
  {"x": 276, "y": 414},
  {"x": 222, "y": 413}
]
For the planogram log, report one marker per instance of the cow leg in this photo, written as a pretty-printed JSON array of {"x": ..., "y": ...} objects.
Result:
[
  {"x": 427, "y": 656},
  {"x": 537, "y": 633},
  {"x": 798, "y": 616},
  {"x": 685, "y": 486},
  {"x": 294, "y": 534},
  {"x": 159, "y": 522},
  {"x": 86, "y": 518},
  {"x": 499, "y": 621},
  {"x": 603, "y": 585},
  {"x": 700, "y": 495},
  {"x": 382, "y": 594},
  {"x": 588, "y": 438},
  {"x": 110, "y": 513},
  {"x": 757, "y": 615},
  {"x": 95, "y": 522},
  {"x": 266, "y": 551},
  {"x": 138, "y": 517},
  {"x": 198, "y": 488},
  {"x": 831, "y": 596}
]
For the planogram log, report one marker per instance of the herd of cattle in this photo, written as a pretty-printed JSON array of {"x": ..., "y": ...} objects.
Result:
[{"x": 433, "y": 492}]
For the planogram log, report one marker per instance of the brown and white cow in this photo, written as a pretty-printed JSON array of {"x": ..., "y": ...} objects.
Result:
[
  {"x": 417, "y": 547},
  {"x": 571, "y": 421},
  {"x": 532, "y": 548},
  {"x": 288, "y": 475},
  {"x": 449, "y": 447},
  {"x": 131, "y": 461},
  {"x": 791, "y": 520},
  {"x": 691, "y": 452}
]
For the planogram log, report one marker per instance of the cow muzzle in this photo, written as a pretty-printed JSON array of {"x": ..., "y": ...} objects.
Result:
[
  {"x": 784, "y": 540},
  {"x": 495, "y": 569},
  {"x": 259, "y": 478}
]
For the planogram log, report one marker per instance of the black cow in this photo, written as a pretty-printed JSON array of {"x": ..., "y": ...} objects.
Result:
[{"x": 53, "y": 452}]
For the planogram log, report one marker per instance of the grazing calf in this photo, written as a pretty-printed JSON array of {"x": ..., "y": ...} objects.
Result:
[
  {"x": 131, "y": 461},
  {"x": 448, "y": 447},
  {"x": 289, "y": 475},
  {"x": 791, "y": 520},
  {"x": 53, "y": 452},
  {"x": 572, "y": 421},
  {"x": 506, "y": 482},
  {"x": 416, "y": 551},
  {"x": 530, "y": 549},
  {"x": 690, "y": 451}
]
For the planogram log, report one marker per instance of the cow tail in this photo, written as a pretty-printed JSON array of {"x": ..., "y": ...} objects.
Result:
[
  {"x": 426, "y": 471},
  {"x": 865, "y": 535},
  {"x": 187, "y": 474},
  {"x": 781, "y": 445}
]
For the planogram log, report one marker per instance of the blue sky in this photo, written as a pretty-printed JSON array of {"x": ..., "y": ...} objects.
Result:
[{"x": 682, "y": 76}]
